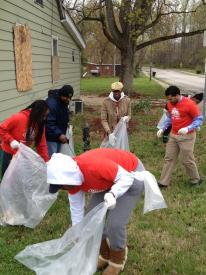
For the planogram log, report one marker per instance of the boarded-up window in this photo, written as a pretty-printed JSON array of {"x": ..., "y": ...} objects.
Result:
[
  {"x": 23, "y": 58},
  {"x": 55, "y": 59}
]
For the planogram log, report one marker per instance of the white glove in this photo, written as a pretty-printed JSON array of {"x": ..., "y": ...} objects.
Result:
[
  {"x": 125, "y": 118},
  {"x": 183, "y": 131},
  {"x": 14, "y": 144},
  {"x": 198, "y": 129},
  {"x": 112, "y": 139},
  {"x": 160, "y": 133},
  {"x": 109, "y": 200}
]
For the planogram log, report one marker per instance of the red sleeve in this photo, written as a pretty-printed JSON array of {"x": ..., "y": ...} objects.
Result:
[
  {"x": 6, "y": 127},
  {"x": 42, "y": 148}
]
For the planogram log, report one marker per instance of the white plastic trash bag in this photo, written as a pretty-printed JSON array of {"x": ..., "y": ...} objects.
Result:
[
  {"x": 68, "y": 148},
  {"x": 120, "y": 132},
  {"x": 153, "y": 198},
  {"x": 75, "y": 253},
  {"x": 24, "y": 191}
]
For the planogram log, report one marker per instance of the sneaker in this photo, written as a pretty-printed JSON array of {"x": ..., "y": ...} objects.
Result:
[
  {"x": 196, "y": 183},
  {"x": 161, "y": 185}
]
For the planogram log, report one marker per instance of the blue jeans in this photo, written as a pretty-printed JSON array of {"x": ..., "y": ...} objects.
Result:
[{"x": 53, "y": 147}]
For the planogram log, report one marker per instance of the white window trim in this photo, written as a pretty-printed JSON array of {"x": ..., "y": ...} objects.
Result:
[{"x": 55, "y": 38}]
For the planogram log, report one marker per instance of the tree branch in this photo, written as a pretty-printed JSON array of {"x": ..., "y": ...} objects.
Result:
[{"x": 168, "y": 37}]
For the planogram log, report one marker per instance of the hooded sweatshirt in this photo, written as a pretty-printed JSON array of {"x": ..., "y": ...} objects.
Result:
[
  {"x": 112, "y": 110},
  {"x": 14, "y": 128},
  {"x": 58, "y": 117}
]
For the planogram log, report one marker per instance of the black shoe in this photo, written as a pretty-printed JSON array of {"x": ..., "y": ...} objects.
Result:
[
  {"x": 161, "y": 185},
  {"x": 196, "y": 183}
]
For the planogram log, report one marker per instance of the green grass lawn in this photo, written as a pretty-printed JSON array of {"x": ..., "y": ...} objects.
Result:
[
  {"x": 101, "y": 85},
  {"x": 164, "y": 242}
]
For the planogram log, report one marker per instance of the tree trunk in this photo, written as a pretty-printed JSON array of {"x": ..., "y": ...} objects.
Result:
[{"x": 127, "y": 65}]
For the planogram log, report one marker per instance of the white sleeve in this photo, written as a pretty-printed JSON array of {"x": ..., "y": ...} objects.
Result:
[
  {"x": 77, "y": 203},
  {"x": 123, "y": 181}
]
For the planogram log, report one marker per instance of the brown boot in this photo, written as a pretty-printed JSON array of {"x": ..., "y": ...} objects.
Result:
[
  {"x": 116, "y": 262},
  {"x": 103, "y": 254}
]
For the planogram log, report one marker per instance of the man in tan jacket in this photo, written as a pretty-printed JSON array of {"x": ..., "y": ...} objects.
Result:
[{"x": 115, "y": 106}]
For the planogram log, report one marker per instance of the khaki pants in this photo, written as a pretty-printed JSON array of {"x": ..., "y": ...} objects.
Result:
[{"x": 184, "y": 147}]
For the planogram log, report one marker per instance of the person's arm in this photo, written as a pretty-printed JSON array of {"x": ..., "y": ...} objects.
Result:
[
  {"x": 77, "y": 203},
  {"x": 104, "y": 118},
  {"x": 168, "y": 122},
  {"x": 197, "y": 122},
  {"x": 6, "y": 127},
  {"x": 122, "y": 182},
  {"x": 129, "y": 110},
  {"x": 42, "y": 149}
]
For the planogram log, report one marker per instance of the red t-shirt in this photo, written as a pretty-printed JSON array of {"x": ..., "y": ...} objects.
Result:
[
  {"x": 182, "y": 113},
  {"x": 99, "y": 168},
  {"x": 14, "y": 128}
]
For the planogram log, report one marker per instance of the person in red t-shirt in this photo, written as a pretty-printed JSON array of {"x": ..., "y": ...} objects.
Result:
[
  {"x": 109, "y": 175},
  {"x": 28, "y": 127},
  {"x": 184, "y": 116}
]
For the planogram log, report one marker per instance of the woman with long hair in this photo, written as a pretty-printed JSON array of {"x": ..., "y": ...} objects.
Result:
[{"x": 26, "y": 126}]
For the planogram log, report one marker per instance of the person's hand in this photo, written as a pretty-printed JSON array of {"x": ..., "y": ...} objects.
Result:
[
  {"x": 109, "y": 200},
  {"x": 112, "y": 139},
  {"x": 125, "y": 118},
  {"x": 160, "y": 133},
  {"x": 183, "y": 131},
  {"x": 198, "y": 129},
  {"x": 63, "y": 139},
  {"x": 14, "y": 144}
]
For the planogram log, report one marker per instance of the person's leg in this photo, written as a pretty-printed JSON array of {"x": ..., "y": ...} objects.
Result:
[
  {"x": 6, "y": 158},
  {"x": 186, "y": 145},
  {"x": 53, "y": 147},
  {"x": 171, "y": 154}
]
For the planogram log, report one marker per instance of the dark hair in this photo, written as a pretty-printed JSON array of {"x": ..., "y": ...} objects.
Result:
[
  {"x": 172, "y": 90},
  {"x": 36, "y": 120},
  {"x": 198, "y": 97}
]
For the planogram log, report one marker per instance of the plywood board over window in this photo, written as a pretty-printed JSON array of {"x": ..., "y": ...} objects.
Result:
[{"x": 23, "y": 57}]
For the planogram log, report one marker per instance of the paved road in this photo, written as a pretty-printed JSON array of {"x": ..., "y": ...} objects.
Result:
[{"x": 187, "y": 82}]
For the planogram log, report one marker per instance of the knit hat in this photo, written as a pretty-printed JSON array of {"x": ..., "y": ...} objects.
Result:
[
  {"x": 62, "y": 170},
  {"x": 117, "y": 86},
  {"x": 66, "y": 90}
]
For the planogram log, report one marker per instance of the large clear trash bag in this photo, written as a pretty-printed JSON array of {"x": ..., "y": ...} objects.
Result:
[
  {"x": 24, "y": 192},
  {"x": 120, "y": 132},
  {"x": 75, "y": 253},
  {"x": 153, "y": 198},
  {"x": 68, "y": 148},
  {"x": 160, "y": 124}
]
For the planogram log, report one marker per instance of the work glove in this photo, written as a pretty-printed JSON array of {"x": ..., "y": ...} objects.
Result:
[
  {"x": 125, "y": 118},
  {"x": 14, "y": 144},
  {"x": 183, "y": 131},
  {"x": 198, "y": 129},
  {"x": 109, "y": 200},
  {"x": 112, "y": 139},
  {"x": 160, "y": 133}
]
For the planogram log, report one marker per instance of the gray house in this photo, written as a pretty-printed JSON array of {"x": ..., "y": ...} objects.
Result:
[{"x": 40, "y": 49}]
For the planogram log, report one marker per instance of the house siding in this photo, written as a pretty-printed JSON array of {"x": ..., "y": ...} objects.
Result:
[{"x": 43, "y": 23}]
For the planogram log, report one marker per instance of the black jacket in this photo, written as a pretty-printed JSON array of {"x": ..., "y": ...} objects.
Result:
[{"x": 58, "y": 117}]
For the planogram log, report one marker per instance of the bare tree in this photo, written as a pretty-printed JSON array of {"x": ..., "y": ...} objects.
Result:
[{"x": 125, "y": 22}]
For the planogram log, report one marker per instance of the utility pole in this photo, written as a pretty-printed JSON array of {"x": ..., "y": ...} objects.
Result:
[
  {"x": 114, "y": 62},
  {"x": 204, "y": 97}
]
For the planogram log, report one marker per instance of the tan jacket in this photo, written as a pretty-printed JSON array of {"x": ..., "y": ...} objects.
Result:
[{"x": 112, "y": 111}]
